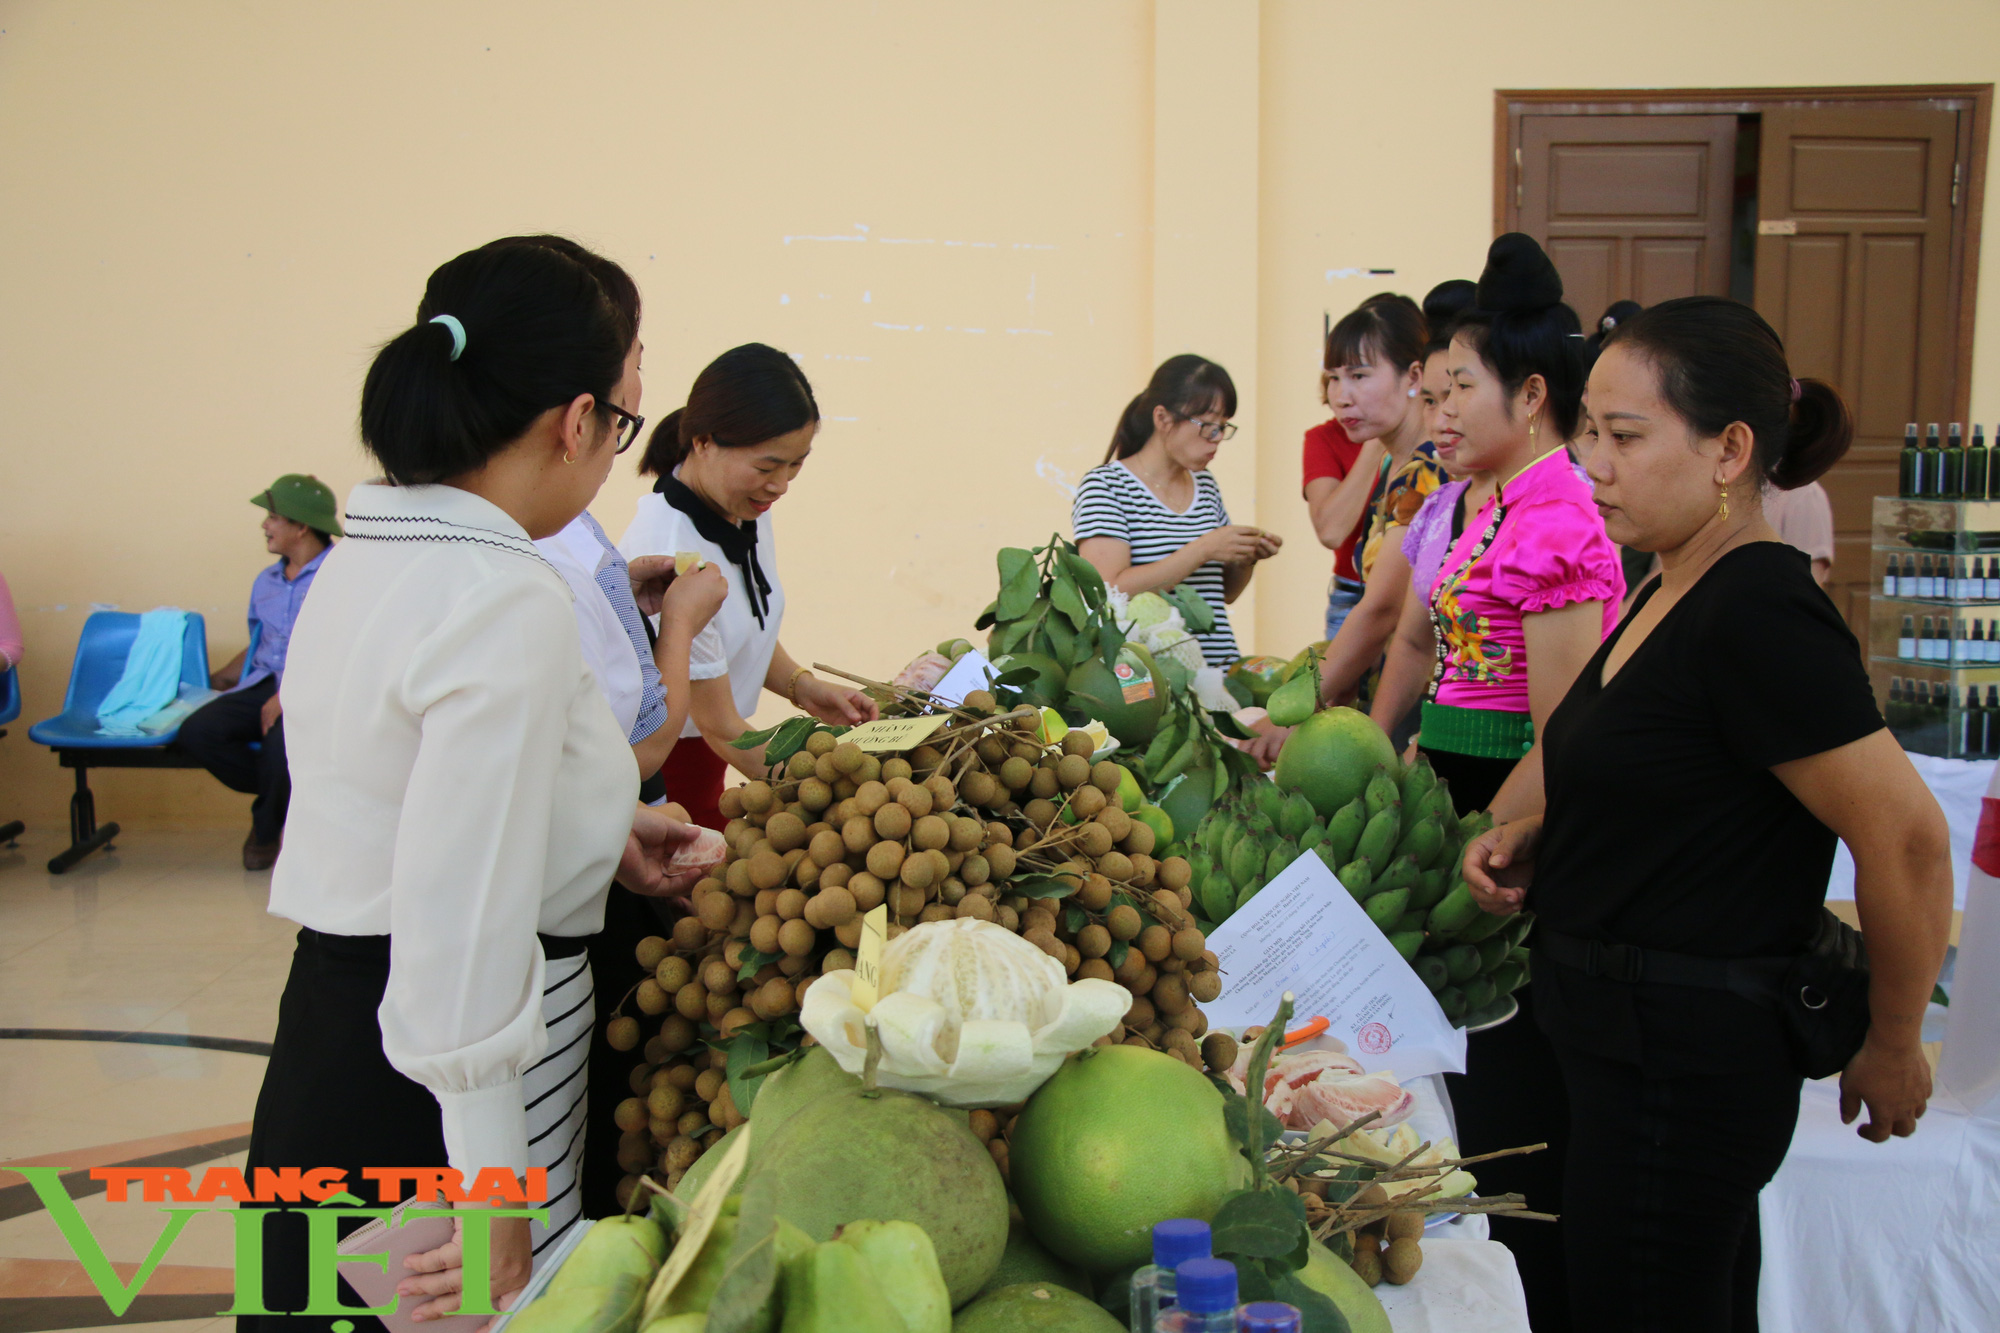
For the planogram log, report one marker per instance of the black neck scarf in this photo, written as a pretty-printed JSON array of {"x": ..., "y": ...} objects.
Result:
[{"x": 737, "y": 540}]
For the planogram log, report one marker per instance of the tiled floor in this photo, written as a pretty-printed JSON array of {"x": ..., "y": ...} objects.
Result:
[{"x": 166, "y": 934}]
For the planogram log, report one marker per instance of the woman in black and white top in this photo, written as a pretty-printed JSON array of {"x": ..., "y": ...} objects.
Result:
[
  {"x": 1152, "y": 516},
  {"x": 462, "y": 792}
]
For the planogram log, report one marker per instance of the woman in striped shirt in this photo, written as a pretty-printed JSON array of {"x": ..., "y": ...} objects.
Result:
[{"x": 1151, "y": 517}]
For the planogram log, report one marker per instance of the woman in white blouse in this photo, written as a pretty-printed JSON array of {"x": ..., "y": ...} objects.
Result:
[
  {"x": 722, "y": 462},
  {"x": 462, "y": 793}
]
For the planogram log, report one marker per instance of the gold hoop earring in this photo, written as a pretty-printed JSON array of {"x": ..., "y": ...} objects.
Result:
[
  {"x": 568, "y": 457},
  {"x": 1723, "y": 511}
]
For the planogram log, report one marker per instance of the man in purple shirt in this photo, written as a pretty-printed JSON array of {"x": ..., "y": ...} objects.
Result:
[{"x": 240, "y": 738}]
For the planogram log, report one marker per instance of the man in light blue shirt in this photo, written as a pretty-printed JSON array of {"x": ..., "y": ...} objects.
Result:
[{"x": 240, "y": 738}]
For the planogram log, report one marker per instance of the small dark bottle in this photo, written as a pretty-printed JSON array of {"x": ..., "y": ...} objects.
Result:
[
  {"x": 1951, "y": 486},
  {"x": 1906, "y": 580},
  {"x": 1978, "y": 469},
  {"x": 1906, "y": 642},
  {"x": 1989, "y": 724},
  {"x": 1910, "y": 465},
  {"x": 1966, "y": 733},
  {"x": 1933, "y": 463}
]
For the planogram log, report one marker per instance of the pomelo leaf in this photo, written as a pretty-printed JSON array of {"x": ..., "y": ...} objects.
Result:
[
  {"x": 1088, "y": 581},
  {"x": 1012, "y": 560},
  {"x": 1041, "y": 886},
  {"x": 1062, "y": 639},
  {"x": 1318, "y": 1313},
  {"x": 1256, "y": 1223},
  {"x": 1065, "y": 598},
  {"x": 744, "y": 1052},
  {"x": 1020, "y": 592}
]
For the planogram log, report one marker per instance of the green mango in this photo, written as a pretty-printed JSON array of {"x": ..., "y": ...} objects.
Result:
[
  {"x": 1295, "y": 816},
  {"x": 831, "y": 1289},
  {"x": 1437, "y": 803},
  {"x": 1411, "y": 920},
  {"x": 1283, "y": 852},
  {"x": 1378, "y": 840},
  {"x": 1517, "y": 929},
  {"x": 1381, "y": 793},
  {"x": 1462, "y": 962},
  {"x": 1454, "y": 911},
  {"x": 1480, "y": 927},
  {"x": 1294, "y": 701},
  {"x": 906, "y": 1269},
  {"x": 1314, "y": 835},
  {"x": 1433, "y": 972},
  {"x": 1386, "y": 908},
  {"x": 1419, "y": 780},
  {"x": 1479, "y": 992},
  {"x": 1343, "y": 829},
  {"x": 1223, "y": 841},
  {"x": 1429, "y": 888},
  {"x": 1509, "y": 977},
  {"x": 1424, "y": 841},
  {"x": 1452, "y": 1000},
  {"x": 1217, "y": 896},
  {"x": 1249, "y": 891},
  {"x": 1356, "y": 877},
  {"x": 1492, "y": 952},
  {"x": 1245, "y": 860},
  {"x": 1407, "y": 942},
  {"x": 1324, "y": 851},
  {"x": 1401, "y": 874},
  {"x": 1270, "y": 800}
]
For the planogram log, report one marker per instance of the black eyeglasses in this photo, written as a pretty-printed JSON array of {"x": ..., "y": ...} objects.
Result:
[
  {"x": 1210, "y": 431},
  {"x": 628, "y": 425}
]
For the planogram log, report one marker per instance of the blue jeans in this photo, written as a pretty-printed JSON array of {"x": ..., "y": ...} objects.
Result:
[{"x": 1340, "y": 599}]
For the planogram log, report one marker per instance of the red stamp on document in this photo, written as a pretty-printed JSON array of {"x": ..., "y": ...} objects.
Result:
[{"x": 1374, "y": 1039}]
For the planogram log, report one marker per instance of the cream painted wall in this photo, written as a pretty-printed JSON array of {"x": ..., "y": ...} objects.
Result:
[{"x": 978, "y": 226}]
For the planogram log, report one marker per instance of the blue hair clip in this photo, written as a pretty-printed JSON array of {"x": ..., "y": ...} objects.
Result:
[{"x": 457, "y": 331}]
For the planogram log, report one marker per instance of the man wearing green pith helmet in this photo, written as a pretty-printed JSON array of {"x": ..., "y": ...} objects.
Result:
[{"x": 240, "y": 737}]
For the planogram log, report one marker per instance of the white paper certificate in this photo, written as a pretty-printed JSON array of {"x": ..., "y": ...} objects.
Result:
[
  {"x": 1305, "y": 934},
  {"x": 967, "y": 674}
]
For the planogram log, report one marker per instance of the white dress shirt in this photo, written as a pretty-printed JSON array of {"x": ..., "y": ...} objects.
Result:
[
  {"x": 608, "y": 648},
  {"x": 458, "y": 784},
  {"x": 733, "y": 644}
]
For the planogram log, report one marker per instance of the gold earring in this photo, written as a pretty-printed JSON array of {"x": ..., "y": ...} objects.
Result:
[
  {"x": 568, "y": 457},
  {"x": 1723, "y": 512}
]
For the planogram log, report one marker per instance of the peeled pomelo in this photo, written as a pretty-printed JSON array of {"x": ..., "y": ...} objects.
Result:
[
  {"x": 1034, "y": 1307},
  {"x": 1118, "y": 1139},
  {"x": 892, "y": 1156},
  {"x": 1330, "y": 757}
]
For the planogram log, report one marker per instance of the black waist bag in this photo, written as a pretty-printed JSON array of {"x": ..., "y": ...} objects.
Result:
[{"x": 1821, "y": 994}]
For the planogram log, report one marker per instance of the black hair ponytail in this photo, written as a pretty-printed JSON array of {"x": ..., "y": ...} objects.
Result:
[
  {"x": 1720, "y": 362},
  {"x": 1520, "y": 327},
  {"x": 1187, "y": 386},
  {"x": 746, "y": 396},
  {"x": 539, "y": 330}
]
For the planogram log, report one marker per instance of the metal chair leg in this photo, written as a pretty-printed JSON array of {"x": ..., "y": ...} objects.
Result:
[
  {"x": 86, "y": 836},
  {"x": 12, "y": 830}
]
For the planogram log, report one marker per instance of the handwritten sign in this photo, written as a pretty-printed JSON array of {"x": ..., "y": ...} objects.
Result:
[
  {"x": 868, "y": 959},
  {"x": 1304, "y": 933},
  {"x": 893, "y": 735}
]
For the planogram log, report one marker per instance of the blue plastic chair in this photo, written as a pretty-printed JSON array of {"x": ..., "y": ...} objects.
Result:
[
  {"x": 10, "y": 708},
  {"x": 100, "y": 660}
]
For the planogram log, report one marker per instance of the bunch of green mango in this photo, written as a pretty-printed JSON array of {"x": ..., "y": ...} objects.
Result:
[
  {"x": 1189, "y": 765},
  {"x": 1471, "y": 959},
  {"x": 601, "y": 1287}
]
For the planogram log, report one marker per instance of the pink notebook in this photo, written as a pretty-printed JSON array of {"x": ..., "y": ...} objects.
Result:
[{"x": 376, "y": 1286}]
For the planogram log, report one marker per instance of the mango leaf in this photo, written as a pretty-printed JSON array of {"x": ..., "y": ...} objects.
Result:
[
  {"x": 1041, "y": 886},
  {"x": 744, "y": 1052},
  {"x": 753, "y": 963},
  {"x": 1065, "y": 598},
  {"x": 789, "y": 739},
  {"x": 1088, "y": 581},
  {"x": 742, "y": 1299},
  {"x": 1019, "y": 593},
  {"x": 750, "y": 740},
  {"x": 1318, "y": 1313},
  {"x": 1258, "y": 1224}
]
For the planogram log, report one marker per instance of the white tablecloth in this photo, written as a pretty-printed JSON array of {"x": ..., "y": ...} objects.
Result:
[
  {"x": 1959, "y": 785},
  {"x": 1465, "y": 1286}
]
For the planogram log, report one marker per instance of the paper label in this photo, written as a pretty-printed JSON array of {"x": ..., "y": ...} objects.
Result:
[
  {"x": 868, "y": 958},
  {"x": 1137, "y": 685},
  {"x": 967, "y": 674},
  {"x": 1304, "y": 933},
  {"x": 892, "y": 735}
]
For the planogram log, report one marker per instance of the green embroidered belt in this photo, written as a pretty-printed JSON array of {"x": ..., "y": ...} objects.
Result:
[{"x": 1481, "y": 732}]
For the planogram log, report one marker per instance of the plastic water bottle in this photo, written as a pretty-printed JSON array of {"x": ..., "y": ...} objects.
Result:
[
  {"x": 1204, "y": 1299},
  {"x": 1268, "y": 1317},
  {"x": 1174, "y": 1243}
]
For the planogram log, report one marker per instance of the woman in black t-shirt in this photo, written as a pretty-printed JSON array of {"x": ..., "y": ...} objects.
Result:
[{"x": 1684, "y": 804}]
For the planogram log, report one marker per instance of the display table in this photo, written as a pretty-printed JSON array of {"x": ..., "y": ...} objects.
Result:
[{"x": 1959, "y": 785}]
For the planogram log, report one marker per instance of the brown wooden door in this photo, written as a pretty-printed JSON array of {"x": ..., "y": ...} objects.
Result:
[
  {"x": 1630, "y": 207},
  {"x": 1854, "y": 271}
]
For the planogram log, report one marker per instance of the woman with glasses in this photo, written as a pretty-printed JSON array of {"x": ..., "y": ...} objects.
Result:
[
  {"x": 461, "y": 793},
  {"x": 1151, "y": 517},
  {"x": 721, "y": 463}
]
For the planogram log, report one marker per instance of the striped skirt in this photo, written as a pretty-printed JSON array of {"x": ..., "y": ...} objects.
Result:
[{"x": 558, "y": 1094}]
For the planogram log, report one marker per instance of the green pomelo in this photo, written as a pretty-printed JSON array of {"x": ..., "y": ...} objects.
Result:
[
  {"x": 704, "y": 1166},
  {"x": 1129, "y": 703},
  {"x": 1326, "y": 1274},
  {"x": 1118, "y": 1139},
  {"x": 893, "y": 1156},
  {"x": 1190, "y": 798},
  {"x": 814, "y": 1075},
  {"x": 1034, "y": 1307},
  {"x": 1050, "y": 676},
  {"x": 1331, "y": 756},
  {"x": 1158, "y": 820},
  {"x": 1026, "y": 1260},
  {"x": 678, "y": 1323},
  {"x": 1260, "y": 675}
]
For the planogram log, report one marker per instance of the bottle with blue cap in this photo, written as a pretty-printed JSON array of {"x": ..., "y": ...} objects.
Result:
[
  {"x": 1269, "y": 1317},
  {"x": 1175, "y": 1241},
  {"x": 1204, "y": 1299}
]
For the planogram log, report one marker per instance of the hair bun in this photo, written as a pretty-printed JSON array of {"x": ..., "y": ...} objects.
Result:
[{"x": 1518, "y": 276}]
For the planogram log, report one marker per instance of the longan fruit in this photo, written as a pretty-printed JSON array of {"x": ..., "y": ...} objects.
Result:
[
  {"x": 1016, "y": 773},
  {"x": 821, "y": 742},
  {"x": 870, "y": 770},
  {"x": 980, "y": 788},
  {"x": 1093, "y": 941},
  {"x": 677, "y": 1033},
  {"x": 1170, "y": 995},
  {"x": 829, "y": 908},
  {"x": 837, "y": 960},
  {"x": 1094, "y": 895},
  {"x": 650, "y": 998},
  {"x": 715, "y": 910},
  {"x": 858, "y": 834},
  {"x": 1141, "y": 1015},
  {"x": 925, "y": 758},
  {"x": 979, "y": 701},
  {"x": 1401, "y": 1260},
  {"x": 767, "y": 870},
  {"x": 730, "y": 803},
  {"x": 848, "y": 757},
  {"x": 766, "y": 902},
  {"x": 1094, "y": 968},
  {"x": 791, "y": 905},
  {"x": 739, "y": 929},
  {"x": 1072, "y": 771},
  {"x": 734, "y": 1019},
  {"x": 930, "y": 833},
  {"x": 984, "y": 1124},
  {"x": 835, "y": 876},
  {"x": 690, "y": 934},
  {"x": 1218, "y": 1051},
  {"x": 673, "y": 973},
  {"x": 975, "y": 906},
  {"x": 758, "y": 798},
  {"x": 651, "y": 950},
  {"x": 1124, "y": 922},
  {"x": 1040, "y": 812},
  {"x": 764, "y": 934},
  {"x": 849, "y": 935},
  {"x": 622, "y": 1033},
  {"x": 1116, "y": 866},
  {"x": 1128, "y": 971},
  {"x": 773, "y": 999},
  {"x": 796, "y": 938},
  {"x": 785, "y": 831},
  {"x": 718, "y": 977},
  {"x": 718, "y": 1007},
  {"x": 736, "y": 878},
  {"x": 1104, "y": 776},
  {"x": 1079, "y": 744},
  {"x": 892, "y": 821},
  {"x": 1141, "y": 840},
  {"x": 1000, "y": 859},
  {"x": 870, "y": 797},
  {"x": 805, "y": 872},
  {"x": 1095, "y": 839},
  {"x": 1189, "y": 943},
  {"x": 1088, "y": 802},
  {"x": 923, "y": 870},
  {"x": 666, "y": 1102},
  {"x": 896, "y": 767},
  {"x": 885, "y": 860},
  {"x": 975, "y": 870},
  {"x": 1005, "y": 917},
  {"x": 919, "y": 801},
  {"x": 867, "y": 890},
  {"x": 1044, "y": 941},
  {"x": 1044, "y": 784},
  {"x": 905, "y": 901},
  {"x": 943, "y": 794},
  {"x": 815, "y": 795},
  {"x": 635, "y": 1152},
  {"x": 1038, "y": 917}
]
